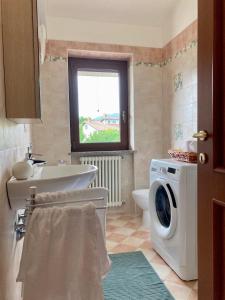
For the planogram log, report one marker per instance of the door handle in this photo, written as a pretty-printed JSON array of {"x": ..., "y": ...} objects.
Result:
[
  {"x": 203, "y": 158},
  {"x": 201, "y": 135}
]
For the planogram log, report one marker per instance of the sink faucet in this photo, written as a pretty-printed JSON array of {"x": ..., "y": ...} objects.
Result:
[{"x": 31, "y": 156}]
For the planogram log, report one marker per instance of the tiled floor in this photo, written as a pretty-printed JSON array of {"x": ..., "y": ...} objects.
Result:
[{"x": 125, "y": 233}]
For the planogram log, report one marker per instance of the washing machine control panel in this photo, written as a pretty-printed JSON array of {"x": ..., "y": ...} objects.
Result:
[
  {"x": 162, "y": 170},
  {"x": 166, "y": 171},
  {"x": 171, "y": 170}
]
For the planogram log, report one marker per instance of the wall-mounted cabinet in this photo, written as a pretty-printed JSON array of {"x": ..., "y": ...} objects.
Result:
[{"x": 20, "y": 23}]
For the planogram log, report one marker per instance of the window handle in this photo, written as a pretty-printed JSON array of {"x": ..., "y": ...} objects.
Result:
[{"x": 124, "y": 116}]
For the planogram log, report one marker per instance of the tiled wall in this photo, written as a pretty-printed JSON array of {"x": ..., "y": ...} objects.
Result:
[
  {"x": 13, "y": 142},
  {"x": 163, "y": 101},
  {"x": 148, "y": 118},
  {"x": 52, "y": 137},
  {"x": 180, "y": 88}
]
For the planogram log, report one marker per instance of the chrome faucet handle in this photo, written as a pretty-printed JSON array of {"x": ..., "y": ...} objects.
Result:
[
  {"x": 29, "y": 149},
  {"x": 30, "y": 154}
]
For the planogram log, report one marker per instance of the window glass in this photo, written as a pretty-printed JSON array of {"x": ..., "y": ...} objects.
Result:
[
  {"x": 99, "y": 115},
  {"x": 99, "y": 107}
]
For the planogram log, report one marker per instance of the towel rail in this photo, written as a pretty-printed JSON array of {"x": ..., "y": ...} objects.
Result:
[{"x": 23, "y": 214}]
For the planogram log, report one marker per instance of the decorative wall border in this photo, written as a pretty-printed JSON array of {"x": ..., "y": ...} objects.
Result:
[
  {"x": 141, "y": 56},
  {"x": 51, "y": 58},
  {"x": 191, "y": 45},
  {"x": 107, "y": 51}
]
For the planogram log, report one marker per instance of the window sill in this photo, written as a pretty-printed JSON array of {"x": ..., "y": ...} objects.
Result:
[{"x": 104, "y": 153}]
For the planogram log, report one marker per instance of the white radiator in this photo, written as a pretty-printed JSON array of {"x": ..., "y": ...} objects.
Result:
[{"x": 108, "y": 176}]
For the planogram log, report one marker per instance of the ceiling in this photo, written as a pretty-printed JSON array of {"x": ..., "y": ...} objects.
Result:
[{"x": 132, "y": 12}]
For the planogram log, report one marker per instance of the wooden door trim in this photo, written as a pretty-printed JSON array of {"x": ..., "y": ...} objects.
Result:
[
  {"x": 205, "y": 177},
  {"x": 218, "y": 255}
]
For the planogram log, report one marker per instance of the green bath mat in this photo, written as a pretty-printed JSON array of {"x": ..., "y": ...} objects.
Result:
[{"x": 133, "y": 278}]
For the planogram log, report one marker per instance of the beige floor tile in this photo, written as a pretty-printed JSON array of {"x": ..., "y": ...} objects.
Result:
[
  {"x": 124, "y": 230},
  {"x": 110, "y": 218},
  {"x": 178, "y": 291},
  {"x": 190, "y": 284},
  {"x": 149, "y": 254},
  {"x": 125, "y": 233},
  {"x": 132, "y": 225},
  {"x": 158, "y": 260},
  {"x": 133, "y": 241},
  {"x": 111, "y": 228},
  {"x": 173, "y": 277},
  {"x": 123, "y": 248},
  {"x": 141, "y": 234},
  {"x": 107, "y": 234},
  {"x": 114, "y": 215},
  {"x": 195, "y": 287},
  {"x": 143, "y": 228},
  {"x": 116, "y": 237},
  {"x": 146, "y": 245},
  {"x": 110, "y": 245},
  {"x": 136, "y": 220},
  {"x": 193, "y": 296},
  {"x": 118, "y": 222},
  {"x": 125, "y": 218},
  {"x": 162, "y": 270}
]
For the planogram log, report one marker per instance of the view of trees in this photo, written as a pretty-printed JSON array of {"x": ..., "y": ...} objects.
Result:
[
  {"x": 101, "y": 136},
  {"x": 105, "y": 136},
  {"x": 82, "y": 120}
]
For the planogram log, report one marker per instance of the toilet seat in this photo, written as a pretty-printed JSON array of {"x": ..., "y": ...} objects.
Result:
[{"x": 141, "y": 198}]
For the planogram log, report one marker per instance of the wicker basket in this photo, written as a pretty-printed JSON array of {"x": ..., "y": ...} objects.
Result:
[{"x": 189, "y": 157}]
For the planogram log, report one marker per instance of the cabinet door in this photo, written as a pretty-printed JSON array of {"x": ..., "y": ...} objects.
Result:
[{"x": 21, "y": 59}]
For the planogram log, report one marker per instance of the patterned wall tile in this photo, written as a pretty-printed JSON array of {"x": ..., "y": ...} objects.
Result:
[
  {"x": 178, "y": 131},
  {"x": 178, "y": 82}
]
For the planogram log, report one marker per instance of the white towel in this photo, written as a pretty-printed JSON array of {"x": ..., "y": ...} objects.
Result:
[
  {"x": 64, "y": 255},
  {"x": 79, "y": 195}
]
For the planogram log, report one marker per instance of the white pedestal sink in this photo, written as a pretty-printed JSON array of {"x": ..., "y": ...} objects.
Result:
[{"x": 50, "y": 179}]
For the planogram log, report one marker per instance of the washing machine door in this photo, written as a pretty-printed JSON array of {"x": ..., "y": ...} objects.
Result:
[{"x": 163, "y": 208}]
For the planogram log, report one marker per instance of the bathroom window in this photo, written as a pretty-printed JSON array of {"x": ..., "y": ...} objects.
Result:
[{"x": 98, "y": 104}]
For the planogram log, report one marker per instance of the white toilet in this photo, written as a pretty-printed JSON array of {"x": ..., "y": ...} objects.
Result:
[{"x": 141, "y": 198}]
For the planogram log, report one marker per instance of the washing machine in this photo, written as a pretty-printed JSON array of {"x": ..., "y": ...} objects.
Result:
[{"x": 173, "y": 213}]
